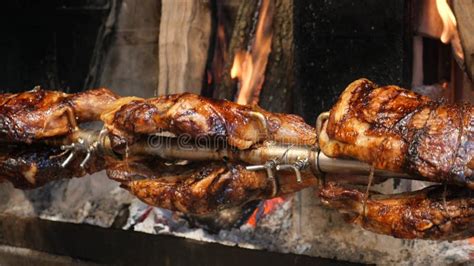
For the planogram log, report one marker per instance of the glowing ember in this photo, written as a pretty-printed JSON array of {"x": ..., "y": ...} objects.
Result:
[
  {"x": 471, "y": 241},
  {"x": 450, "y": 33},
  {"x": 249, "y": 67},
  {"x": 265, "y": 208}
]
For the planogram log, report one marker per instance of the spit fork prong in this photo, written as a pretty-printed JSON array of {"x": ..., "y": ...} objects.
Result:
[
  {"x": 71, "y": 148},
  {"x": 86, "y": 159},
  {"x": 79, "y": 146},
  {"x": 68, "y": 160}
]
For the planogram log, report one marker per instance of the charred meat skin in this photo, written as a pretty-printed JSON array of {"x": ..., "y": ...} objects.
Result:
[
  {"x": 200, "y": 188},
  {"x": 399, "y": 130},
  {"x": 198, "y": 116},
  {"x": 31, "y": 166},
  {"x": 39, "y": 114},
  {"x": 196, "y": 189},
  {"x": 432, "y": 213}
]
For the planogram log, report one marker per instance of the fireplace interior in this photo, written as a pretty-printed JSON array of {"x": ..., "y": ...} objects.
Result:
[{"x": 286, "y": 56}]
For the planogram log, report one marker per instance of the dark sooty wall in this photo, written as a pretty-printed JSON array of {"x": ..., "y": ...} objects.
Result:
[
  {"x": 339, "y": 41},
  {"x": 48, "y": 43}
]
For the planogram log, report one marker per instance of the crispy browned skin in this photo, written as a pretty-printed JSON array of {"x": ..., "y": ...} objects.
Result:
[
  {"x": 31, "y": 166},
  {"x": 399, "y": 130},
  {"x": 198, "y": 116},
  {"x": 195, "y": 189},
  {"x": 39, "y": 114},
  {"x": 199, "y": 188},
  {"x": 422, "y": 214}
]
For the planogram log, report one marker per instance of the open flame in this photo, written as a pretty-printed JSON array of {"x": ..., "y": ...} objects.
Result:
[
  {"x": 449, "y": 21},
  {"x": 249, "y": 66},
  {"x": 264, "y": 208},
  {"x": 450, "y": 33}
]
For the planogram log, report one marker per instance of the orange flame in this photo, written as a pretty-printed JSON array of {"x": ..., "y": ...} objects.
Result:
[
  {"x": 471, "y": 241},
  {"x": 449, "y": 21},
  {"x": 249, "y": 67},
  {"x": 239, "y": 60},
  {"x": 266, "y": 208},
  {"x": 450, "y": 33}
]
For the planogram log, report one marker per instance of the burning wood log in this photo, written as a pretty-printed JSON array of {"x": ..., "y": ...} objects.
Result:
[
  {"x": 276, "y": 94},
  {"x": 261, "y": 56},
  {"x": 239, "y": 41},
  {"x": 464, "y": 11},
  {"x": 185, "y": 30}
]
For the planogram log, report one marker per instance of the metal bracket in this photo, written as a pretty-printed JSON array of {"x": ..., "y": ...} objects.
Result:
[
  {"x": 296, "y": 167},
  {"x": 263, "y": 121},
  {"x": 320, "y": 122},
  {"x": 269, "y": 167},
  {"x": 272, "y": 166}
]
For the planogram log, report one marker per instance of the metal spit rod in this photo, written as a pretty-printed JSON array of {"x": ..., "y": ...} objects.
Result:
[
  {"x": 263, "y": 157},
  {"x": 286, "y": 155}
]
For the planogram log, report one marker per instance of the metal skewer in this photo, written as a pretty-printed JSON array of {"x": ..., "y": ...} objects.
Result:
[{"x": 269, "y": 157}]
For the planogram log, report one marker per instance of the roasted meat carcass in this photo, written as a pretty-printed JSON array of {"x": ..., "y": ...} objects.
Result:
[
  {"x": 200, "y": 188},
  {"x": 399, "y": 130},
  {"x": 436, "y": 212},
  {"x": 39, "y": 114},
  {"x": 30, "y": 166},
  {"x": 30, "y": 121},
  {"x": 205, "y": 187},
  {"x": 196, "y": 116},
  {"x": 388, "y": 127}
]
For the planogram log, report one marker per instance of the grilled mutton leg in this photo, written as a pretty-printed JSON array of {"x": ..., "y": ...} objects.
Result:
[
  {"x": 436, "y": 212},
  {"x": 39, "y": 114},
  {"x": 398, "y": 130},
  {"x": 33, "y": 165},
  {"x": 200, "y": 188},
  {"x": 196, "y": 116}
]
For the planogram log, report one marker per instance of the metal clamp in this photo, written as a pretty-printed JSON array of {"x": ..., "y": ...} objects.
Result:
[
  {"x": 103, "y": 144},
  {"x": 273, "y": 165},
  {"x": 269, "y": 167},
  {"x": 296, "y": 167},
  {"x": 320, "y": 122},
  {"x": 263, "y": 121}
]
